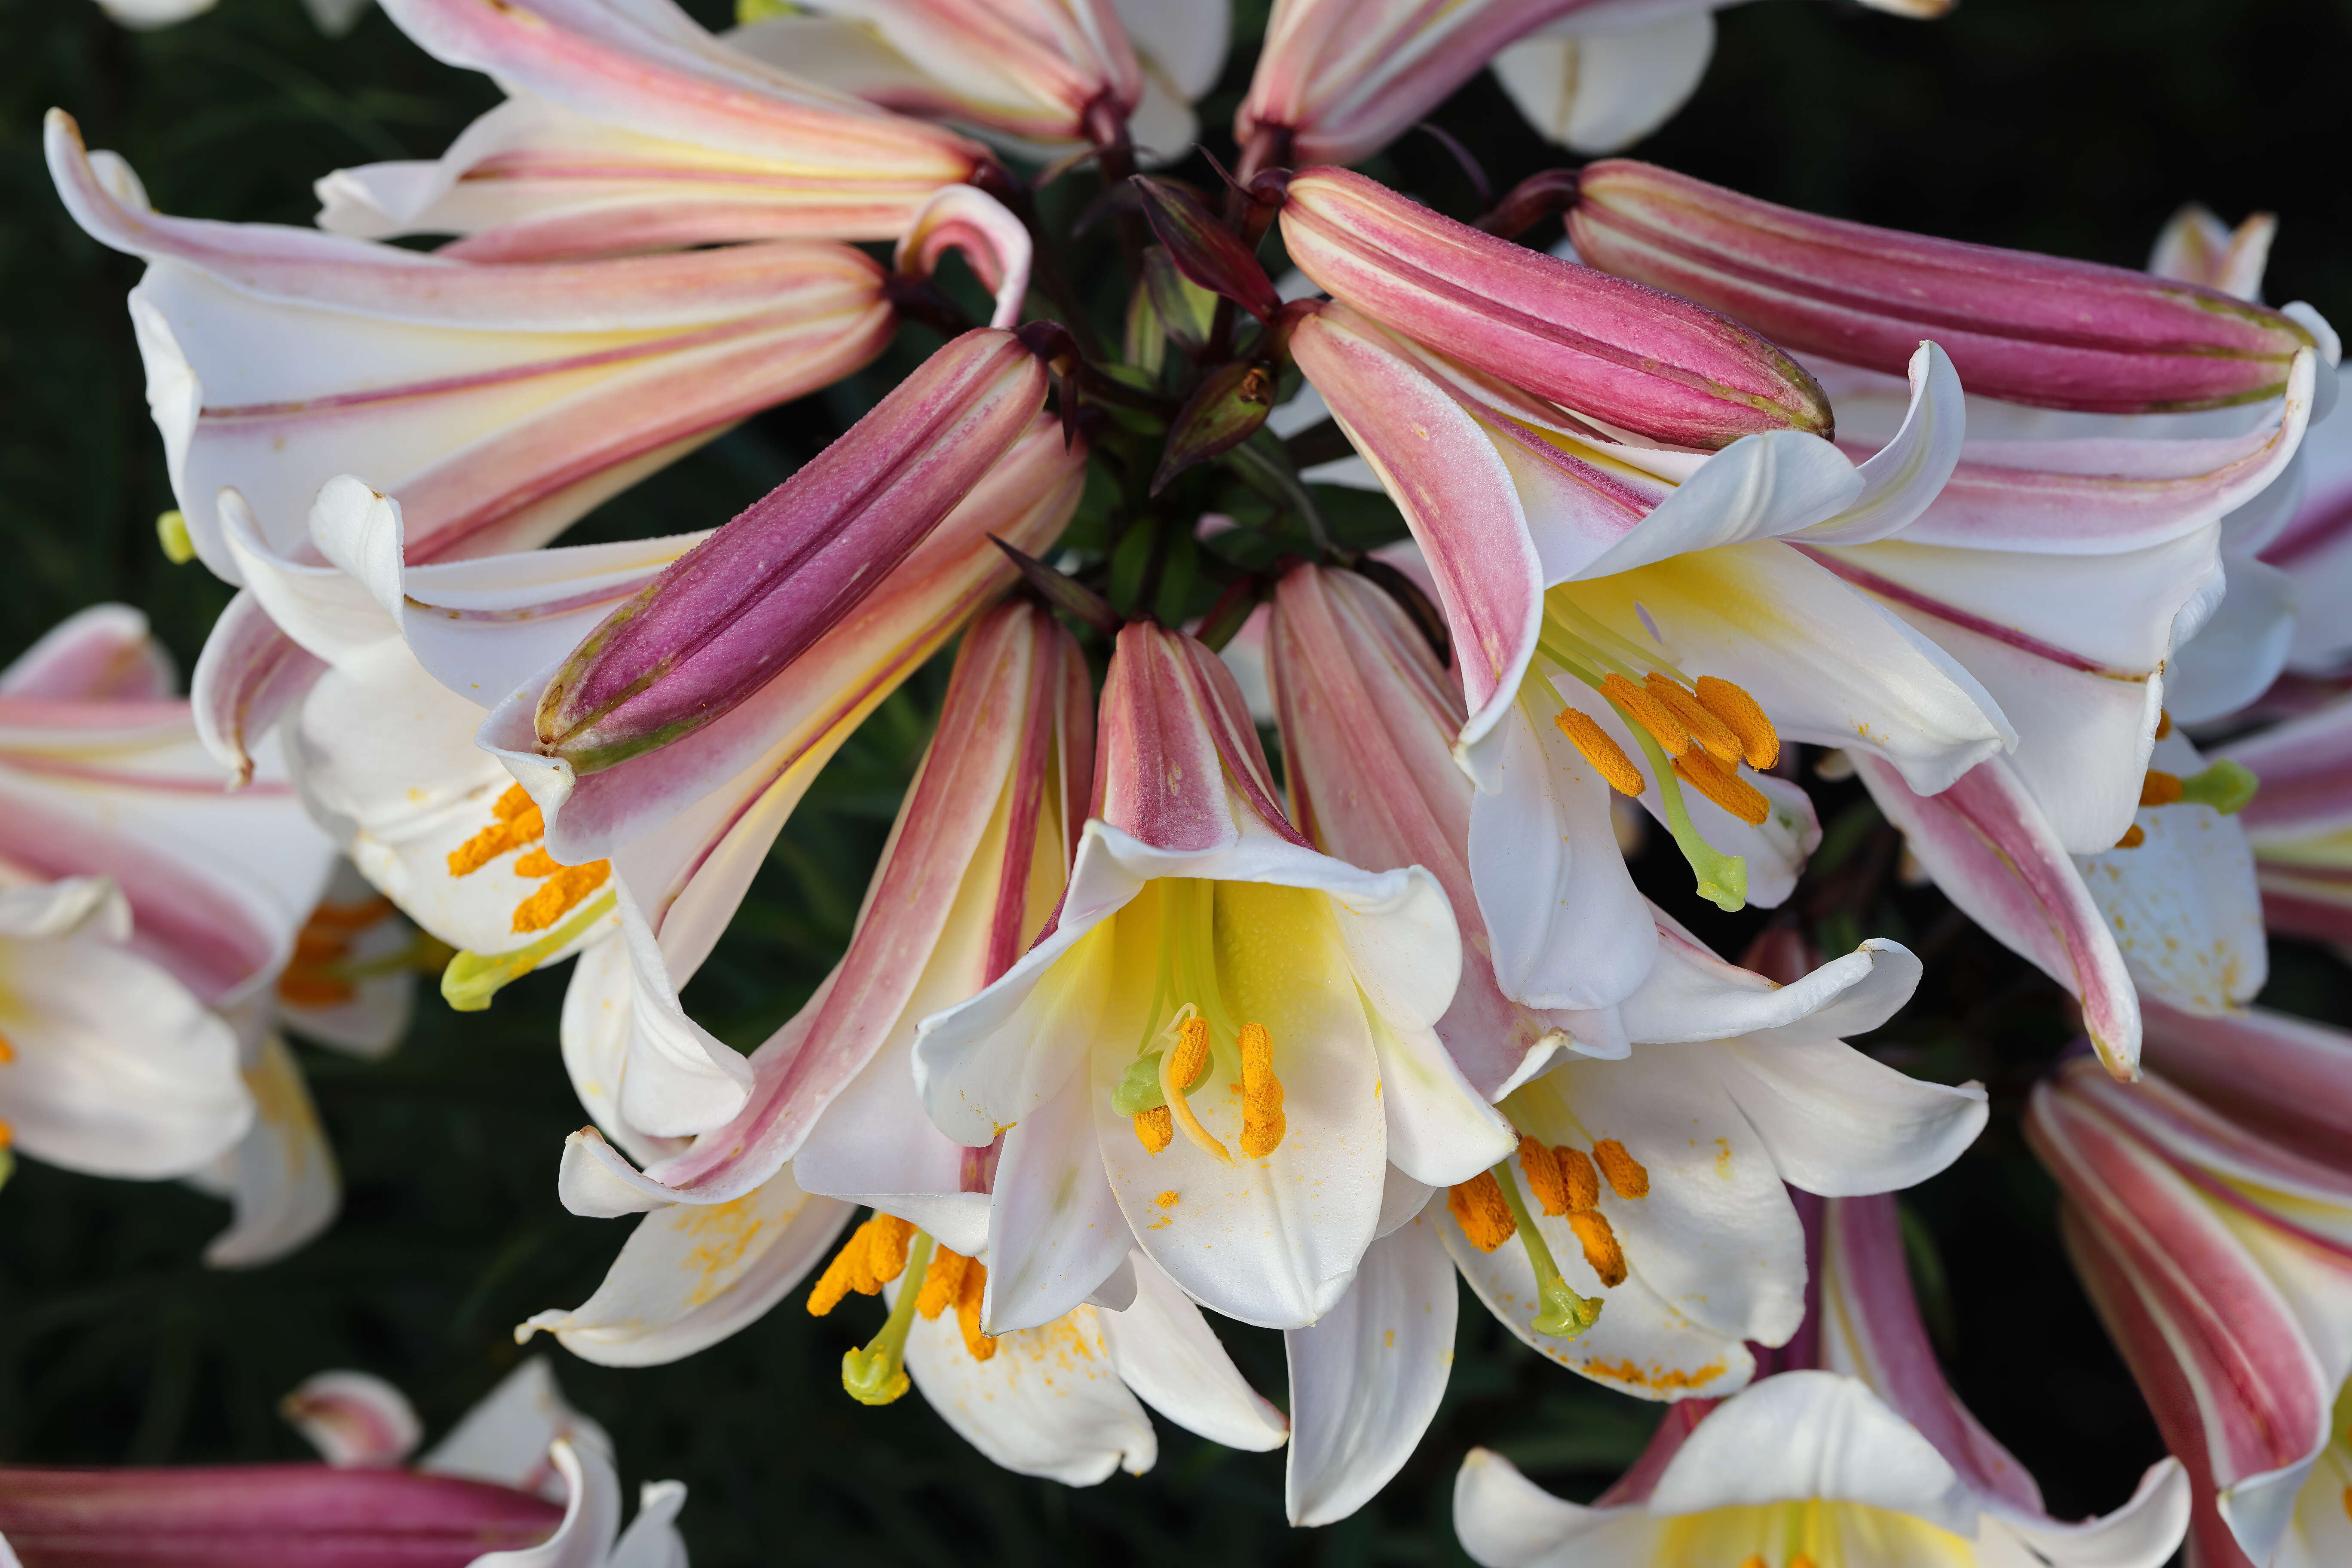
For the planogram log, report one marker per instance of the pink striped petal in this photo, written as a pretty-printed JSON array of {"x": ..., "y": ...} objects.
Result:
[
  {"x": 2305, "y": 766},
  {"x": 995, "y": 245},
  {"x": 1991, "y": 850},
  {"x": 250, "y": 675},
  {"x": 1176, "y": 735},
  {"x": 2286, "y": 1081},
  {"x": 354, "y": 1419},
  {"x": 104, "y": 654},
  {"x": 1041, "y": 69}
]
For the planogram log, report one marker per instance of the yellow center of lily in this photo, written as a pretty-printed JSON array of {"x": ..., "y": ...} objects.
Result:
[
  {"x": 1189, "y": 1027},
  {"x": 1813, "y": 1534},
  {"x": 515, "y": 824}
]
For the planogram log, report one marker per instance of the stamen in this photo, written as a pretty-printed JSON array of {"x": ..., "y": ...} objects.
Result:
[
  {"x": 1637, "y": 703},
  {"x": 1600, "y": 1243},
  {"x": 557, "y": 896},
  {"x": 2163, "y": 724},
  {"x": 1477, "y": 1206},
  {"x": 1543, "y": 1174},
  {"x": 1722, "y": 878},
  {"x": 876, "y": 1373},
  {"x": 2228, "y": 787},
  {"x": 7, "y": 1138},
  {"x": 940, "y": 1282},
  {"x": 1577, "y": 1174},
  {"x": 1180, "y": 1066},
  {"x": 2159, "y": 788},
  {"x": 971, "y": 1290},
  {"x": 1564, "y": 1314},
  {"x": 471, "y": 979},
  {"x": 873, "y": 1255},
  {"x": 1759, "y": 741},
  {"x": 1155, "y": 1129},
  {"x": 1608, "y": 759},
  {"x": 515, "y": 822},
  {"x": 7, "y": 1051},
  {"x": 1626, "y": 1177},
  {"x": 1724, "y": 787},
  {"x": 1755, "y": 1560},
  {"x": 2134, "y": 836},
  {"x": 1262, "y": 1118},
  {"x": 1705, "y": 728}
]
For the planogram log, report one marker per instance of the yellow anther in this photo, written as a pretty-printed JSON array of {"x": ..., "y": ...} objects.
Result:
[
  {"x": 1578, "y": 1177},
  {"x": 2163, "y": 723},
  {"x": 1155, "y": 1129},
  {"x": 538, "y": 863},
  {"x": 1262, "y": 1118},
  {"x": 874, "y": 1254},
  {"x": 7, "y": 1135},
  {"x": 1179, "y": 1066},
  {"x": 971, "y": 1290},
  {"x": 1759, "y": 741},
  {"x": 1600, "y": 1248},
  {"x": 1606, "y": 757},
  {"x": 2134, "y": 836},
  {"x": 515, "y": 822},
  {"x": 1724, "y": 787},
  {"x": 1648, "y": 712},
  {"x": 1755, "y": 1560},
  {"x": 1626, "y": 1177},
  {"x": 1800, "y": 1561},
  {"x": 1721, "y": 742},
  {"x": 1477, "y": 1206},
  {"x": 940, "y": 1282},
  {"x": 2159, "y": 788},
  {"x": 7, "y": 1051},
  {"x": 1543, "y": 1174},
  {"x": 559, "y": 893}
]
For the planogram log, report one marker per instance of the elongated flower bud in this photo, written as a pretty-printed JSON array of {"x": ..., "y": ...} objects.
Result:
[
  {"x": 1626, "y": 355},
  {"x": 2030, "y": 328},
  {"x": 724, "y": 618}
]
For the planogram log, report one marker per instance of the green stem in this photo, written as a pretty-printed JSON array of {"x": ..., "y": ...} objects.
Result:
[
  {"x": 1565, "y": 1313},
  {"x": 876, "y": 1374}
]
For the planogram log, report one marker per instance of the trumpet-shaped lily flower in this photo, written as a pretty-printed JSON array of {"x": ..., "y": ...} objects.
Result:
[
  {"x": 2032, "y": 328},
  {"x": 522, "y": 1474},
  {"x": 1339, "y": 78},
  {"x": 1224, "y": 1041},
  {"x": 180, "y": 923},
  {"x": 2300, "y": 825},
  {"x": 2209, "y": 1211},
  {"x": 628, "y": 127},
  {"x": 1857, "y": 1452}
]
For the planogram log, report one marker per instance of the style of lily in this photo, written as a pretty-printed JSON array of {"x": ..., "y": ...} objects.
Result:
[
  {"x": 161, "y": 932},
  {"x": 2300, "y": 826},
  {"x": 1625, "y": 615},
  {"x": 383, "y": 748},
  {"x": 499, "y": 403},
  {"x": 1338, "y": 79},
  {"x": 1856, "y": 1452},
  {"x": 1222, "y": 1045},
  {"x": 1051, "y": 79},
  {"x": 522, "y": 1474},
  {"x": 975, "y": 867},
  {"x": 628, "y": 128},
  {"x": 2208, "y": 1212}
]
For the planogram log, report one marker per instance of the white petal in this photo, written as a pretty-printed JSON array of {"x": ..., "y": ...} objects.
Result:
[
  {"x": 651, "y": 1540},
  {"x": 2237, "y": 653},
  {"x": 2143, "y": 1533},
  {"x": 1600, "y": 92},
  {"x": 1439, "y": 1131},
  {"x": 1055, "y": 1231},
  {"x": 353, "y": 1418},
  {"x": 1169, "y": 1356},
  {"x": 1841, "y": 1124},
  {"x": 1506, "y": 1520},
  {"x": 287, "y": 1189},
  {"x": 1048, "y": 1403},
  {"x": 592, "y": 1515},
  {"x": 680, "y": 1078},
  {"x": 505, "y": 1438}
]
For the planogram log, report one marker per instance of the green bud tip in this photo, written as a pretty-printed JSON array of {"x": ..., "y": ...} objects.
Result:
[{"x": 171, "y": 533}]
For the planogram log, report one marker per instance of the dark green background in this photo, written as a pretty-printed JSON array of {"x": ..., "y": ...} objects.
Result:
[{"x": 2073, "y": 127}]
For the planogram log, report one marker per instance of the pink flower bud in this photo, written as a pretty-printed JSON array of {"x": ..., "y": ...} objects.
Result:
[
  {"x": 2030, "y": 328},
  {"x": 1627, "y": 355}
]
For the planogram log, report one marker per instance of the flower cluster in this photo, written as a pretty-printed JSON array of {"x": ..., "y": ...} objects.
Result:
[{"x": 1141, "y": 1024}]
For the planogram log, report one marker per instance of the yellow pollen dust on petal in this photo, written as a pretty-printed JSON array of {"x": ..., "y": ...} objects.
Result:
[
  {"x": 515, "y": 822},
  {"x": 1262, "y": 1119},
  {"x": 2159, "y": 788},
  {"x": 557, "y": 896},
  {"x": 1545, "y": 1178},
  {"x": 1745, "y": 717},
  {"x": 1599, "y": 1239},
  {"x": 1606, "y": 757},
  {"x": 1724, "y": 787},
  {"x": 2134, "y": 836},
  {"x": 1721, "y": 742},
  {"x": 1477, "y": 1206},
  {"x": 1627, "y": 1178},
  {"x": 1179, "y": 1066},
  {"x": 1646, "y": 710}
]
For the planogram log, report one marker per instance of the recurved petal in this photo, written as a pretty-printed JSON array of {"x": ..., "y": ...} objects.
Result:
[
  {"x": 104, "y": 654},
  {"x": 1056, "y": 1231},
  {"x": 1168, "y": 1355},
  {"x": 1602, "y": 90},
  {"x": 1838, "y": 1122},
  {"x": 353, "y": 1418},
  {"x": 1992, "y": 852},
  {"x": 286, "y": 1189},
  {"x": 1505, "y": 1521}
]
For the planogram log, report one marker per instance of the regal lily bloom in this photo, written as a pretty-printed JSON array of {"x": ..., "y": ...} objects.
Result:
[
  {"x": 1339, "y": 79},
  {"x": 2300, "y": 825},
  {"x": 498, "y": 403},
  {"x": 2209, "y": 1211},
  {"x": 2037, "y": 329},
  {"x": 384, "y": 751},
  {"x": 162, "y": 920},
  {"x": 1223, "y": 1043},
  {"x": 1605, "y": 597},
  {"x": 1045, "y": 78},
  {"x": 1857, "y": 1452},
  {"x": 522, "y": 1481},
  {"x": 627, "y": 127}
]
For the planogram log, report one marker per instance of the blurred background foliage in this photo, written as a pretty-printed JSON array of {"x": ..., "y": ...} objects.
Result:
[{"x": 2073, "y": 127}]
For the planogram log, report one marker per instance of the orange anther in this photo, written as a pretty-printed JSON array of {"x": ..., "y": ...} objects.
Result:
[
  {"x": 1155, "y": 1129},
  {"x": 2159, "y": 788},
  {"x": 971, "y": 1290},
  {"x": 2163, "y": 723},
  {"x": 2134, "y": 836},
  {"x": 1262, "y": 1118},
  {"x": 1582, "y": 1180},
  {"x": 1606, "y": 757},
  {"x": 515, "y": 822},
  {"x": 559, "y": 893},
  {"x": 1626, "y": 1177},
  {"x": 941, "y": 1281},
  {"x": 1600, "y": 1249},
  {"x": 1724, "y": 787},
  {"x": 1543, "y": 1174},
  {"x": 1477, "y": 1206},
  {"x": 1705, "y": 728},
  {"x": 1759, "y": 741},
  {"x": 1648, "y": 712}
]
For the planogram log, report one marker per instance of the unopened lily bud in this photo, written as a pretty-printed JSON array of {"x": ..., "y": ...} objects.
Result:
[
  {"x": 2037, "y": 329},
  {"x": 730, "y": 614},
  {"x": 1624, "y": 353}
]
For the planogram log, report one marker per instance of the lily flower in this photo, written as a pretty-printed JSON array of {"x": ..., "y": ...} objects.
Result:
[
  {"x": 1223, "y": 1043},
  {"x": 2209, "y": 1211},
  {"x": 499, "y": 403},
  {"x": 521, "y": 1475},
  {"x": 177, "y": 929},
  {"x": 627, "y": 127},
  {"x": 2300, "y": 826},
  {"x": 1858, "y": 1451},
  {"x": 1338, "y": 80}
]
